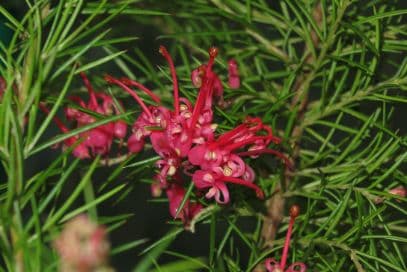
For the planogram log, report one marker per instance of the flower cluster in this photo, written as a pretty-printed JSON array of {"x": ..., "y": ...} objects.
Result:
[
  {"x": 96, "y": 141},
  {"x": 184, "y": 137},
  {"x": 272, "y": 265},
  {"x": 83, "y": 246}
]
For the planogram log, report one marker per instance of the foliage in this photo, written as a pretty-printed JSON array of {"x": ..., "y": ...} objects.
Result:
[{"x": 329, "y": 76}]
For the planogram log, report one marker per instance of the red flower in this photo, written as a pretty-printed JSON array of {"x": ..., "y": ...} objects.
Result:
[
  {"x": 96, "y": 141},
  {"x": 80, "y": 151}
]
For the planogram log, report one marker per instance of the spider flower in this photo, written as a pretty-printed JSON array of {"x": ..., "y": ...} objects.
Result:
[
  {"x": 80, "y": 149},
  {"x": 173, "y": 131},
  {"x": 184, "y": 137},
  {"x": 96, "y": 141}
]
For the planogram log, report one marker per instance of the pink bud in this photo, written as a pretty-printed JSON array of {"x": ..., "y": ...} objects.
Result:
[
  {"x": 399, "y": 191},
  {"x": 134, "y": 144},
  {"x": 234, "y": 79},
  {"x": 2, "y": 86},
  {"x": 98, "y": 141},
  {"x": 120, "y": 129},
  {"x": 81, "y": 152},
  {"x": 156, "y": 190},
  {"x": 217, "y": 88}
]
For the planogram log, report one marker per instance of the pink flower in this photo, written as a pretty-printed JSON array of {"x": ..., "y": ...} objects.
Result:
[
  {"x": 82, "y": 245},
  {"x": 80, "y": 151},
  {"x": 96, "y": 141},
  {"x": 399, "y": 191},
  {"x": 272, "y": 265},
  {"x": 184, "y": 138},
  {"x": 99, "y": 139},
  {"x": 151, "y": 119}
]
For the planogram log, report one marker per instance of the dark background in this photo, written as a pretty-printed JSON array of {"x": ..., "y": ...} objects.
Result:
[{"x": 150, "y": 220}]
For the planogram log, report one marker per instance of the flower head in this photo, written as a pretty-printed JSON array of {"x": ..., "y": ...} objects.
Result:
[
  {"x": 80, "y": 149},
  {"x": 96, "y": 141},
  {"x": 184, "y": 137}
]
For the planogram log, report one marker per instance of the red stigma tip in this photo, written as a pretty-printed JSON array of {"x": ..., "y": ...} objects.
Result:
[
  {"x": 260, "y": 194},
  {"x": 213, "y": 51},
  {"x": 163, "y": 51},
  {"x": 108, "y": 79},
  {"x": 294, "y": 211}
]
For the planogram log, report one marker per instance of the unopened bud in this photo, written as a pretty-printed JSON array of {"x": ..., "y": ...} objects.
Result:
[{"x": 294, "y": 211}]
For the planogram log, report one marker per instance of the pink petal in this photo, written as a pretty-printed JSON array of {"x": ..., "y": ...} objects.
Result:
[
  {"x": 175, "y": 195},
  {"x": 271, "y": 265},
  {"x": 120, "y": 129},
  {"x": 399, "y": 191},
  {"x": 196, "y": 77},
  {"x": 97, "y": 138},
  {"x": 237, "y": 165},
  {"x": 249, "y": 174},
  {"x": 223, "y": 193},
  {"x": 160, "y": 144},
  {"x": 217, "y": 87},
  {"x": 196, "y": 155},
  {"x": 134, "y": 144},
  {"x": 297, "y": 267},
  {"x": 203, "y": 179}
]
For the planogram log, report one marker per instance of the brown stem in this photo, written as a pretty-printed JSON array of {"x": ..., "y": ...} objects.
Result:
[
  {"x": 275, "y": 205},
  {"x": 300, "y": 102}
]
